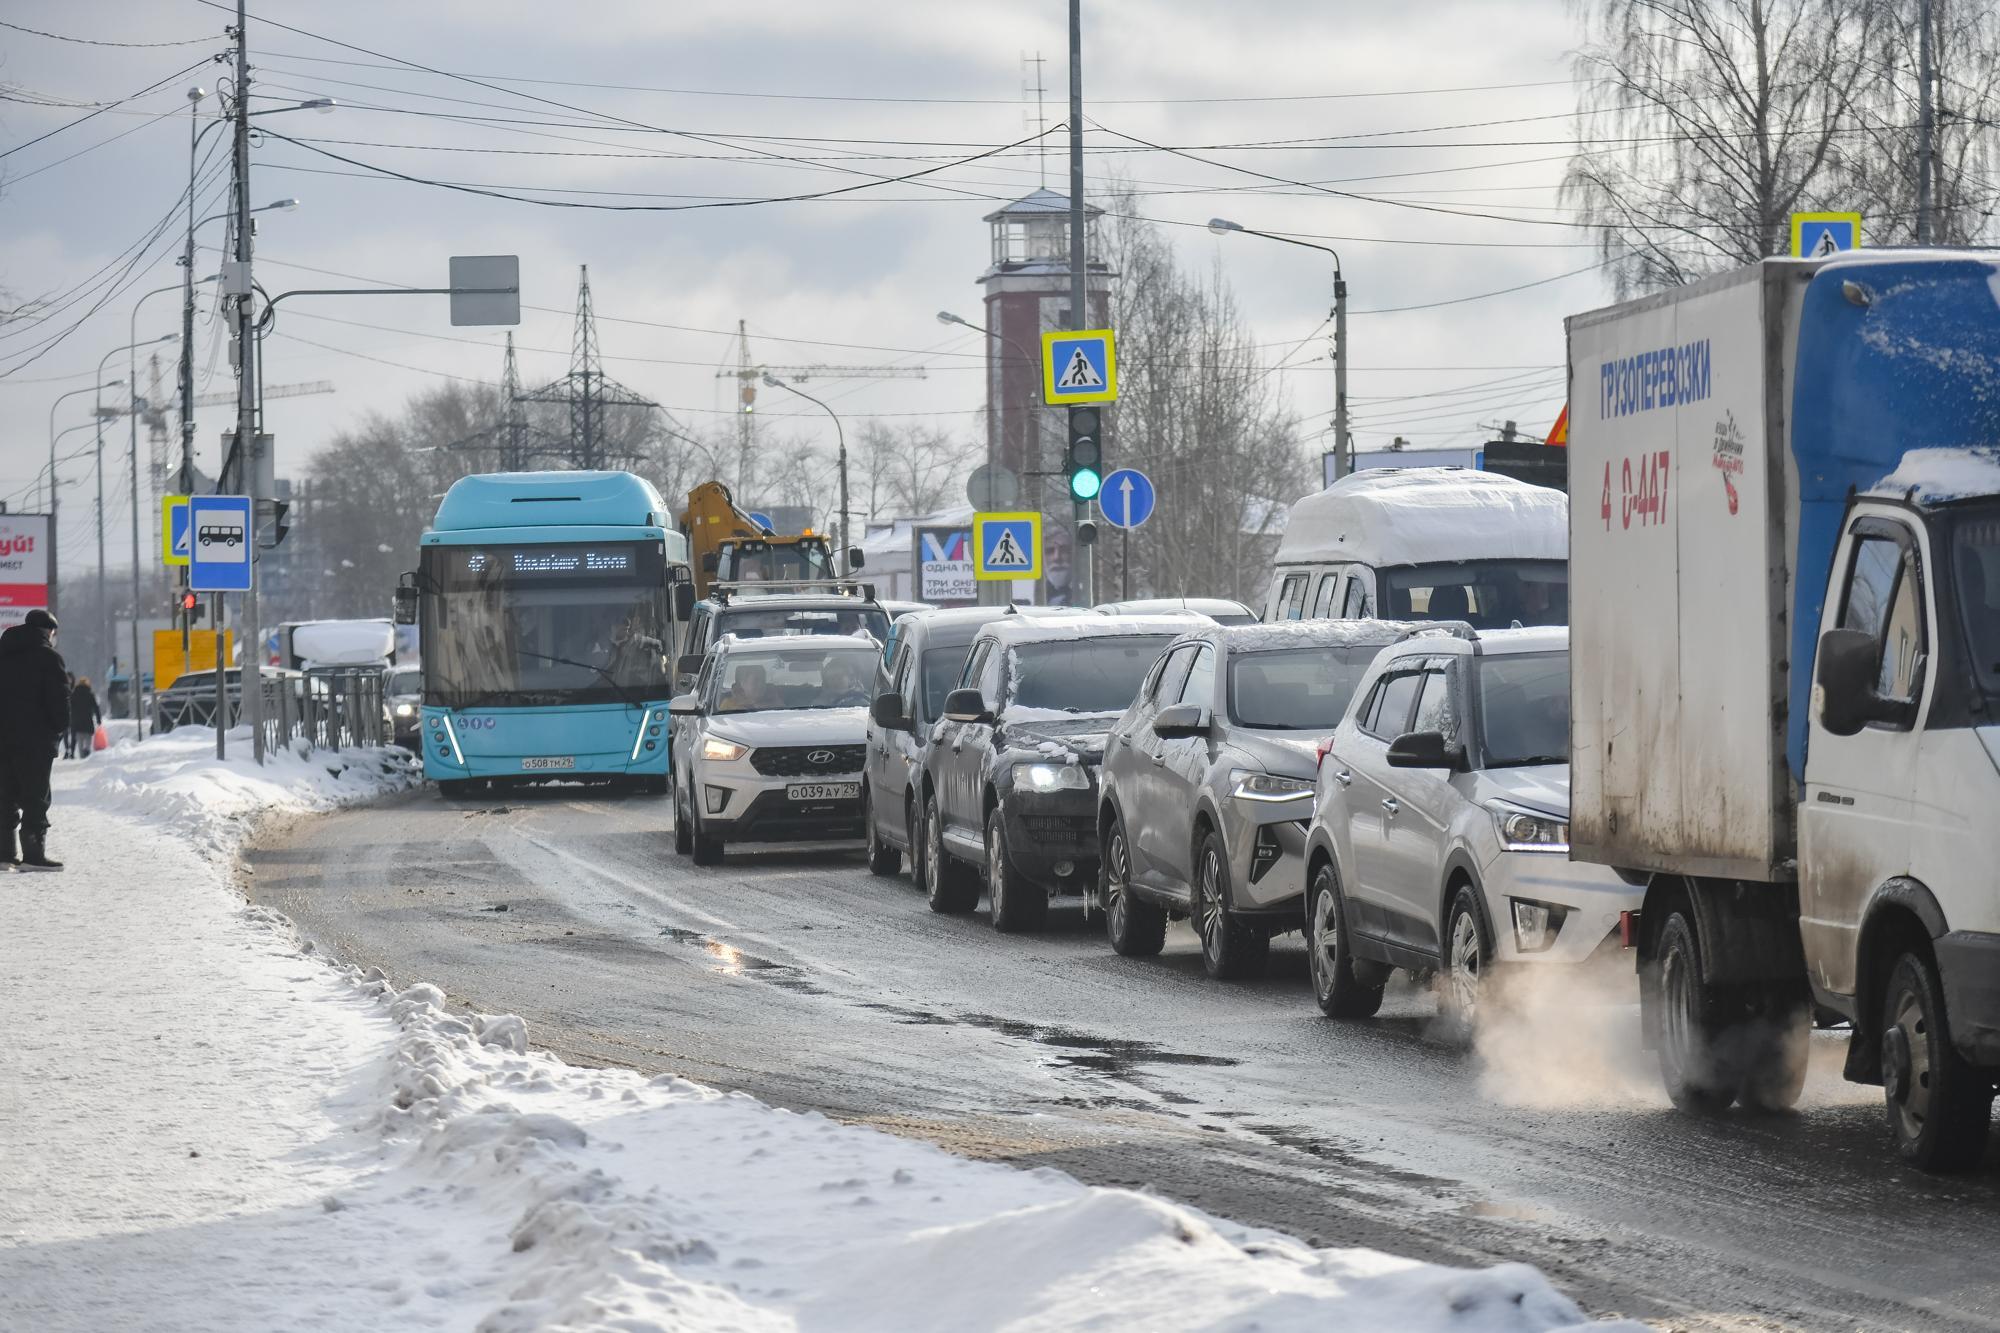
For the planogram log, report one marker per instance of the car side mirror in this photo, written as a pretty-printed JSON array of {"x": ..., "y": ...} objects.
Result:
[
  {"x": 684, "y": 705},
  {"x": 1180, "y": 721},
  {"x": 966, "y": 706},
  {"x": 683, "y": 601},
  {"x": 406, "y": 601},
  {"x": 688, "y": 665},
  {"x": 1845, "y": 670},
  {"x": 1422, "y": 749},
  {"x": 887, "y": 712}
]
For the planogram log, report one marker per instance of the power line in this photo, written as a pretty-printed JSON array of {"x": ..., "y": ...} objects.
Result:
[
  {"x": 93, "y": 41},
  {"x": 151, "y": 87}
]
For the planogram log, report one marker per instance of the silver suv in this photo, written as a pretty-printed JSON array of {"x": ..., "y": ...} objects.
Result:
[
  {"x": 769, "y": 743},
  {"x": 1208, "y": 783}
]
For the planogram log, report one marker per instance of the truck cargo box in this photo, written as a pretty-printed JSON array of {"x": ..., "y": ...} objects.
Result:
[{"x": 1681, "y": 495}]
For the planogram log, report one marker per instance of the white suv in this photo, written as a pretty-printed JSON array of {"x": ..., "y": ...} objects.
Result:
[
  {"x": 1440, "y": 833},
  {"x": 769, "y": 743}
]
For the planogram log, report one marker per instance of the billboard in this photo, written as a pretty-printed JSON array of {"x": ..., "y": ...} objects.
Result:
[
  {"x": 944, "y": 566},
  {"x": 24, "y": 566}
]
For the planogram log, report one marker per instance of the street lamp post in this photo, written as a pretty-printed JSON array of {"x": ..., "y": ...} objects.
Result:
[
  {"x": 103, "y": 584},
  {"x": 991, "y": 592},
  {"x": 1343, "y": 448},
  {"x": 846, "y": 547},
  {"x": 132, "y": 391}
]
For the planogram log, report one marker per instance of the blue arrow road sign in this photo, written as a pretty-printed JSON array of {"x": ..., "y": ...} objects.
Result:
[
  {"x": 763, "y": 520},
  {"x": 1128, "y": 498},
  {"x": 219, "y": 556}
]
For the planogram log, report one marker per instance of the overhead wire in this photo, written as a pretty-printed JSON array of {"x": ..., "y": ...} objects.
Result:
[{"x": 130, "y": 97}]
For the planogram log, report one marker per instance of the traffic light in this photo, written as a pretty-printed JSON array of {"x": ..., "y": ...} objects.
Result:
[
  {"x": 191, "y": 607},
  {"x": 1083, "y": 463}
]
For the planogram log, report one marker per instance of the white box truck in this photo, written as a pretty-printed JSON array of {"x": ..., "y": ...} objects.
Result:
[{"x": 1785, "y": 648}]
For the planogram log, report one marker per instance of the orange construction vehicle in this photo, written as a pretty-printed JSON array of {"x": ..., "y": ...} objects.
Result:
[{"x": 727, "y": 546}]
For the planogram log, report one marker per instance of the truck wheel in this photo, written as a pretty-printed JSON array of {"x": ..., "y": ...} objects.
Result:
[
  {"x": 1340, "y": 992},
  {"x": 683, "y": 832},
  {"x": 948, "y": 884},
  {"x": 1136, "y": 929},
  {"x": 1468, "y": 957},
  {"x": 883, "y": 860},
  {"x": 1939, "y": 1106},
  {"x": 1230, "y": 946},
  {"x": 706, "y": 848},
  {"x": 1019, "y": 905},
  {"x": 1689, "y": 1027},
  {"x": 1774, "y": 1056}
]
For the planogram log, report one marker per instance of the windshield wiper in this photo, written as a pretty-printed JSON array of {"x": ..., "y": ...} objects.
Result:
[
  {"x": 609, "y": 679},
  {"x": 1530, "y": 761}
]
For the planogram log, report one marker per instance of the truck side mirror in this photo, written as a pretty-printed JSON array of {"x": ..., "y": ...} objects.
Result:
[
  {"x": 406, "y": 604},
  {"x": 1845, "y": 670},
  {"x": 1422, "y": 749},
  {"x": 887, "y": 712},
  {"x": 966, "y": 706},
  {"x": 683, "y": 601},
  {"x": 856, "y": 558}
]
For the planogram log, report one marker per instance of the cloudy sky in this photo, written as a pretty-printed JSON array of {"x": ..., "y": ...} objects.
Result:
[{"x": 1451, "y": 115}]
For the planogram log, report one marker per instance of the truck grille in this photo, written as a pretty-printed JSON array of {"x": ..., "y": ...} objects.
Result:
[{"x": 799, "y": 761}]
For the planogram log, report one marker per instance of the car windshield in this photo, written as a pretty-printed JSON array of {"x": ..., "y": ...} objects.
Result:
[
  {"x": 1296, "y": 689},
  {"x": 942, "y": 668},
  {"x": 749, "y": 621},
  {"x": 1976, "y": 570},
  {"x": 1094, "y": 675},
  {"x": 1488, "y": 594},
  {"x": 1524, "y": 709},
  {"x": 786, "y": 562},
  {"x": 406, "y": 680},
  {"x": 544, "y": 625},
  {"x": 761, "y": 682}
]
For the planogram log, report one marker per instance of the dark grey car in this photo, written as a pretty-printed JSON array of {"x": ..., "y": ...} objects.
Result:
[{"x": 1207, "y": 786}]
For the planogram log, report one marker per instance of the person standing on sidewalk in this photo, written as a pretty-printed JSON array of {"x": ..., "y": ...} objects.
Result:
[
  {"x": 84, "y": 718},
  {"x": 34, "y": 714}
]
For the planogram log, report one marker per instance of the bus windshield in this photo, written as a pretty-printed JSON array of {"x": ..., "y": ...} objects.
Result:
[{"x": 546, "y": 624}]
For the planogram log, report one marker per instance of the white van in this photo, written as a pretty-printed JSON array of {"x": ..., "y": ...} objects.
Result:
[{"x": 1425, "y": 543}]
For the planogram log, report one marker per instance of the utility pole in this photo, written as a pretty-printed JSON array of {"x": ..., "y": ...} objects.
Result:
[
  {"x": 1926, "y": 124},
  {"x": 1079, "y": 261},
  {"x": 1343, "y": 447},
  {"x": 103, "y": 585},
  {"x": 239, "y": 286},
  {"x": 746, "y": 400}
]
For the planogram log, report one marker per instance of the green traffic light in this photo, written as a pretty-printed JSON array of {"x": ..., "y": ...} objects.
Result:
[{"x": 1085, "y": 483}]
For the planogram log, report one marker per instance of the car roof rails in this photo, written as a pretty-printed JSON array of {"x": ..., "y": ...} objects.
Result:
[{"x": 1453, "y": 629}]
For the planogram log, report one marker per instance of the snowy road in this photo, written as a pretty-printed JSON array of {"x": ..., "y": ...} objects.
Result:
[{"x": 803, "y": 980}]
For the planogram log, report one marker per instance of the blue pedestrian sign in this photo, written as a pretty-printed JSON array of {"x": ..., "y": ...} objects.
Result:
[
  {"x": 763, "y": 520},
  {"x": 219, "y": 554},
  {"x": 1819, "y": 235},
  {"x": 1079, "y": 367},
  {"x": 1127, "y": 499},
  {"x": 1009, "y": 546}
]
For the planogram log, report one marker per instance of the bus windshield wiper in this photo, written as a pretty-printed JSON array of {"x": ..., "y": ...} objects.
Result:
[{"x": 609, "y": 679}]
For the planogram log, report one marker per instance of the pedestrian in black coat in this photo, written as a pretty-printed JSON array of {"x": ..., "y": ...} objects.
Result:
[
  {"x": 34, "y": 713},
  {"x": 84, "y": 717}
]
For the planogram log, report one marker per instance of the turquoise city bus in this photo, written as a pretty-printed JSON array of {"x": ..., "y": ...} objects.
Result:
[{"x": 550, "y": 605}]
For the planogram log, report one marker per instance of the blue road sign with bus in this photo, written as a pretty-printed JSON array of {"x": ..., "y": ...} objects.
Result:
[
  {"x": 222, "y": 537},
  {"x": 1128, "y": 498}
]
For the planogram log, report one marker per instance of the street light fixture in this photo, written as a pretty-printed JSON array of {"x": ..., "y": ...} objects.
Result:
[
  {"x": 846, "y": 548},
  {"x": 1343, "y": 448},
  {"x": 103, "y": 585}
]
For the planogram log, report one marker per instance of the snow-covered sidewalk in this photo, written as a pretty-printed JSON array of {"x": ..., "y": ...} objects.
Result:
[{"x": 202, "y": 1126}]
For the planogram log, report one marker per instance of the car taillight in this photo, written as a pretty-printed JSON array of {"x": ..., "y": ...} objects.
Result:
[{"x": 1321, "y": 750}]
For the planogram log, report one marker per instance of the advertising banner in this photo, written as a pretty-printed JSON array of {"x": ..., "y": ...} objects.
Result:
[
  {"x": 945, "y": 575},
  {"x": 24, "y": 566}
]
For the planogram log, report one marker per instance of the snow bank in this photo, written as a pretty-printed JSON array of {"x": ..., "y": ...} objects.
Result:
[{"x": 203, "y": 1127}]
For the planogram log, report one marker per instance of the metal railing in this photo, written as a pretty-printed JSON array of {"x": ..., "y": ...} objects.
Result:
[{"x": 321, "y": 708}]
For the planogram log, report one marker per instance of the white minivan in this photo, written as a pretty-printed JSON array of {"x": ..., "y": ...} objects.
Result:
[{"x": 1425, "y": 543}]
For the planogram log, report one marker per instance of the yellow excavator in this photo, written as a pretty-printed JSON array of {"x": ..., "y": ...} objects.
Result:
[{"x": 726, "y": 546}]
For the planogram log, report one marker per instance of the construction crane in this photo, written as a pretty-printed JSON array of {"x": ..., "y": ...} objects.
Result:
[
  {"x": 271, "y": 391},
  {"x": 747, "y": 374}
]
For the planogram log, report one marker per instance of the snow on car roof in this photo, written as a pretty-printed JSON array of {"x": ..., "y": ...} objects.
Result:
[
  {"x": 1421, "y": 515},
  {"x": 1046, "y": 629},
  {"x": 800, "y": 644},
  {"x": 1147, "y": 606},
  {"x": 1529, "y": 639},
  {"x": 1310, "y": 634},
  {"x": 1933, "y": 476}
]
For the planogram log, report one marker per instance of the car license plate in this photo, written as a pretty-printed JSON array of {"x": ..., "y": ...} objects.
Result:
[
  {"x": 823, "y": 791},
  {"x": 547, "y": 761}
]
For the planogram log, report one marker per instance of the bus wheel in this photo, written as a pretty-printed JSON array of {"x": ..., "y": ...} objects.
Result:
[{"x": 453, "y": 789}]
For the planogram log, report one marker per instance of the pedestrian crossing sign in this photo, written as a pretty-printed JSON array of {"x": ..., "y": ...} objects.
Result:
[
  {"x": 1822, "y": 235},
  {"x": 1009, "y": 546},
  {"x": 1079, "y": 367},
  {"x": 174, "y": 529}
]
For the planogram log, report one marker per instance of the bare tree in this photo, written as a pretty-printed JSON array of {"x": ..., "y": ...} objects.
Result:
[
  {"x": 908, "y": 470},
  {"x": 1203, "y": 417},
  {"x": 1707, "y": 123}
]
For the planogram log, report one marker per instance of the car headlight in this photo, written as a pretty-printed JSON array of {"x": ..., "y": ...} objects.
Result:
[
  {"x": 406, "y": 710},
  {"x": 715, "y": 747},
  {"x": 1248, "y": 784},
  {"x": 1527, "y": 830},
  {"x": 1050, "y": 777}
]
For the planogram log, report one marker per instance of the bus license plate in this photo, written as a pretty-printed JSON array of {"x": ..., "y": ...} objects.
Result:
[
  {"x": 823, "y": 791},
  {"x": 548, "y": 761}
]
